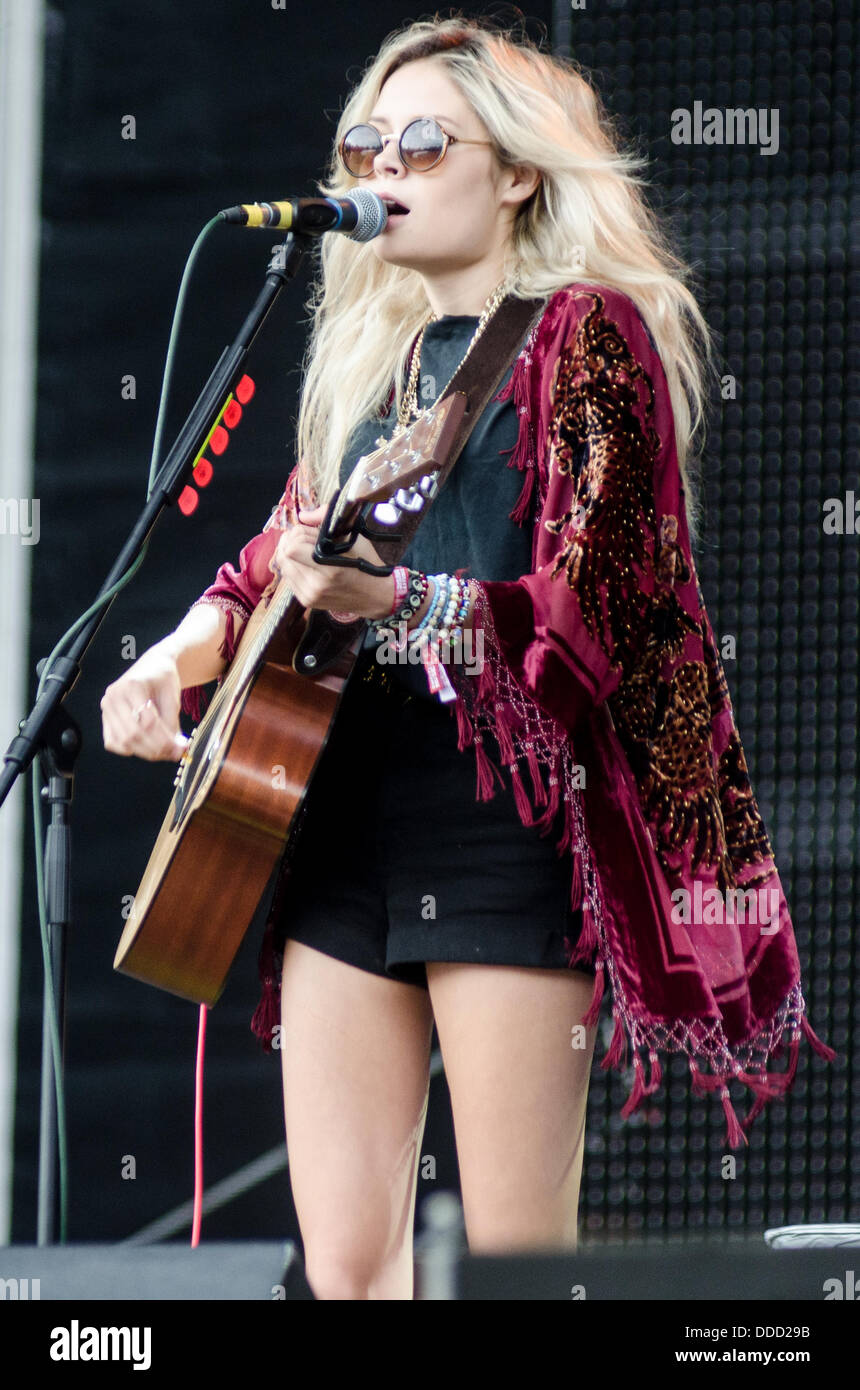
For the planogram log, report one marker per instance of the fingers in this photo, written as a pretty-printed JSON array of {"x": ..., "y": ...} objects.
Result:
[
  {"x": 294, "y": 547},
  {"x": 134, "y": 727},
  {"x": 311, "y": 516}
]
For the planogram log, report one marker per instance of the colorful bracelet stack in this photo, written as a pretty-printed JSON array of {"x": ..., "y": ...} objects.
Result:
[{"x": 443, "y": 620}]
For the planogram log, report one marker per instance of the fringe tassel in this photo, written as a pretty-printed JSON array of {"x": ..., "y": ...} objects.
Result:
[
  {"x": 267, "y": 1013},
  {"x": 524, "y": 808},
  {"x": 702, "y": 1082},
  {"x": 577, "y": 892},
  {"x": 787, "y": 1078},
  {"x": 522, "y": 507},
  {"x": 815, "y": 1042},
  {"x": 465, "y": 732},
  {"x": 637, "y": 1094},
  {"x": 757, "y": 1107},
  {"x": 503, "y": 738},
  {"x": 616, "y": 1054},
  {"x": 769, "y": 1085},
  {"x": 538, "y": 788},
  {"x": 656, "y": 1074},
  {"x": 588, "y": 938},
  {"x": 735, "y": 1137},
  {"x": 522, "y": 454},
  {"x": 487, "y": 773},
  {"x": 567, "y": 839},
  {"x": 228, "y": 646},
  {"x": 486, "y": 687},
  {"x": 545, "y": 821},
  {"x": 593, "y": 1014},
  {"x": 194, "y": 702}
]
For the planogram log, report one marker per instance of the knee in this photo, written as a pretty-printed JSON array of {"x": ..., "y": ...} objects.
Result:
[
  {"x": 333, "y": 1283},
  {"x": 335, "y": 1278},
  {"x": 339, "y": 1277}
]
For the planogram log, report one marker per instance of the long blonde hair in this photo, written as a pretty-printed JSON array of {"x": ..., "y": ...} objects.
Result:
[{"x": 588, "y": 222}]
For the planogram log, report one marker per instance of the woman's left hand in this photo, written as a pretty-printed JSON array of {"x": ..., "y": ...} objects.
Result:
[{"x": 337, "y": 588}]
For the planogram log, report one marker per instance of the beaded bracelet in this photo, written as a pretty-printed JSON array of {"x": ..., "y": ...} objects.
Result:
[
  {"x": 437, "y": 677},
  {"x": 415, "y": 591},
  {"x": 453, "y": 631},
  {"x": 447, "y": 614},
  {"x": 440, "y": 596},
  {"x": 454, "y": 607}
]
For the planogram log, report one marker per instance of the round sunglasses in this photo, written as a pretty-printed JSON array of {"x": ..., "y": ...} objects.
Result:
[{"x": 421, "y": 146}]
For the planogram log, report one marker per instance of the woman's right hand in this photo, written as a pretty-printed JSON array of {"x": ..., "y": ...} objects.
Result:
[{"x": 140, "y": 711}]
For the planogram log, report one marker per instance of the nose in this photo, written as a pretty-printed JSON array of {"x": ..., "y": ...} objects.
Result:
[{"x": 388, "y": 159}]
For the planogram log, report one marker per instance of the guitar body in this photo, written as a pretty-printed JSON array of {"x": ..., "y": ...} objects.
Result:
[
  {"x": 239, "y": 791},
  {"x": 243, "y": 777}
]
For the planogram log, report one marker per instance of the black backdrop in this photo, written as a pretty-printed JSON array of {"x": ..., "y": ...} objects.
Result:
[{"x": 235, "y": 101}]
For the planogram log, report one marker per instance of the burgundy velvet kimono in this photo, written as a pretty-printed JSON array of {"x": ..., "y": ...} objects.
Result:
[{"x": 602, "y": 683}]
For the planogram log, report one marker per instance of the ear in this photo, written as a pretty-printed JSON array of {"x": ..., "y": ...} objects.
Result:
[{"x": 523, "y": 179}]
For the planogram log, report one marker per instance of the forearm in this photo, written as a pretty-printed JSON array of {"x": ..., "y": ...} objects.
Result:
[{"x": 196, "y": 644}]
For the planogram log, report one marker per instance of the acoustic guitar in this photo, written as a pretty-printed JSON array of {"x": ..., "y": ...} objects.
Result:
[{"x": 243, "y": 777}]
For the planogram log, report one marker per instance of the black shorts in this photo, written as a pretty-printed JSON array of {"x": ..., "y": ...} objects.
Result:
[{"x": 395, "y": 863}]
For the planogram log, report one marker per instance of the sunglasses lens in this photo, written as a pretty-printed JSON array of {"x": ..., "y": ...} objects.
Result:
[
  {"x": 422, "y": 145},
  {"x": 359, "y": 148}
]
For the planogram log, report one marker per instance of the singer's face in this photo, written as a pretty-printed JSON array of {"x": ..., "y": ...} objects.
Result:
[{"x": 460, "y": 212}]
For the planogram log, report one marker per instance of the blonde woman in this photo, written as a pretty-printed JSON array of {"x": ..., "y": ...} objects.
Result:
[{"x": 494, "y": 861}]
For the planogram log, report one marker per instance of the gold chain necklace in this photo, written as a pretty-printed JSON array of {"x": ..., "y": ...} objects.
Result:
[{"x": 409, "y": 401}]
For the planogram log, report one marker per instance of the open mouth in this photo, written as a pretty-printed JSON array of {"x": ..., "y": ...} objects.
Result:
[{"x": 394, "y": 208}]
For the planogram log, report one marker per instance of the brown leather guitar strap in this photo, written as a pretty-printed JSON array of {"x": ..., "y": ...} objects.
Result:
[{"x": 479, "y": 378}]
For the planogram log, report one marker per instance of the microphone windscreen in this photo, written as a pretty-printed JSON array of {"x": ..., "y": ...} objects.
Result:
[{"x": 372, "y": 214}]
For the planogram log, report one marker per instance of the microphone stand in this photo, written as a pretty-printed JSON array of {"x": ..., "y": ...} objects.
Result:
[{"x": 51, "y": 733}]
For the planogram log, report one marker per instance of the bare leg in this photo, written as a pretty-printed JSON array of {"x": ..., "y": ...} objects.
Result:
[
  {"x": 355, "y": 1061},
  {"x": 519, "y": 1086}
]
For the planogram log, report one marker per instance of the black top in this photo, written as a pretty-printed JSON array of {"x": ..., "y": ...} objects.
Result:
[{"x": 467, "y": 525}]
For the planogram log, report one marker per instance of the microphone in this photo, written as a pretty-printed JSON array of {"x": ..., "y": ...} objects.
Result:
[{"x": 361, "y": 216}]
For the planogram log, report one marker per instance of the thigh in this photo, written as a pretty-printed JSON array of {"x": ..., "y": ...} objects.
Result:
[
  {"x": 517, "y": 1060},
  {"x": 355, "y": 1061}
]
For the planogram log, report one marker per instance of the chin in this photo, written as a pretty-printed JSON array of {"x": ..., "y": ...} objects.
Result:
[
  {"x": 387, "y": 253},
  {"x": 409, "y": 259}
]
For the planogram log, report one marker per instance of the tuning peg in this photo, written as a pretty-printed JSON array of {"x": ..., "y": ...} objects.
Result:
[
  {"x": 408, "y": 499},
  {"x": 386, "y": 513},
  {"x": 429, "y": 484}
]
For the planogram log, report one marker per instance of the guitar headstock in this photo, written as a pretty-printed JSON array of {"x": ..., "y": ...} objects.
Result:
[{"x": 402, "y": 474}]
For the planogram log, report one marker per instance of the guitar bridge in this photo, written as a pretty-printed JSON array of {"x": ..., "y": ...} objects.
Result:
[{"x": 179, "y": 781}]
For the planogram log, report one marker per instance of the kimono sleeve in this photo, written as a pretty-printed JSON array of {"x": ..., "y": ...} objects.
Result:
[
  {"x": 570, "y": 631},
  {"x": 237, "y": 591}
]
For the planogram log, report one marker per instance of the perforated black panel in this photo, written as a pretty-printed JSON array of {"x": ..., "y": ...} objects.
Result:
[{"x": 766, "y": 220}]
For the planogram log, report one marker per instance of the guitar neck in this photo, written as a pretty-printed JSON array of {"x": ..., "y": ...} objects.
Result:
[{"x": 249, "y": 654}]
